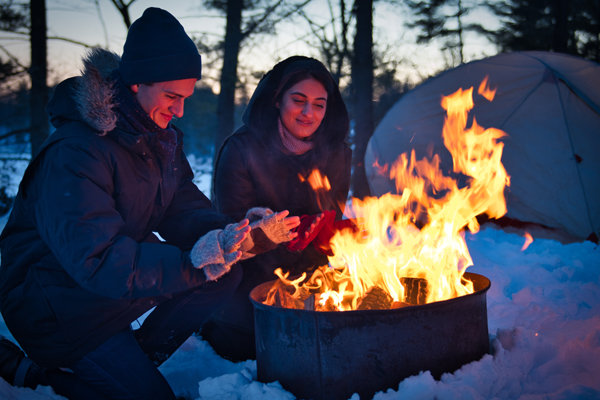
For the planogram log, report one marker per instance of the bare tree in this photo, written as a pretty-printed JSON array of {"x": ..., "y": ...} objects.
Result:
[
  {"x": 261, "y": 17},
  {"x": 14, "y": 78},
  {"x": 13, "y": 19},
  {"x": 38, "y": 73},
  {"x": 334, "y": 48},
  {"x": 434, "y": 18},
  {"x": 34, "y": 27},
  {"x": 229, "y": 77},
  {"x": 362, "y": 82},
  {"x": 123, "y": 7}
]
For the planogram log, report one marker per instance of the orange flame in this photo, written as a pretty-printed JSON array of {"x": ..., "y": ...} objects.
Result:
[
  {"x": 320, "y": 184},
  {"x": 485, "y": 91},
  {"x": 318, "y": 181},
  {"x": 415, "y": 249},
  {"x": 528, "y": 241}
]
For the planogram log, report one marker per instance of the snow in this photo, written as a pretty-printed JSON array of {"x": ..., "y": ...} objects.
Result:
[{"x": 544, "y": 324}]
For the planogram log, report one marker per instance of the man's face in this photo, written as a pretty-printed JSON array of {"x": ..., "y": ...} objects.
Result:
[{"x": 163, "y": 100}]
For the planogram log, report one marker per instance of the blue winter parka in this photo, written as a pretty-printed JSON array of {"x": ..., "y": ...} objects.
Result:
[{"x": 79, "y": 259}]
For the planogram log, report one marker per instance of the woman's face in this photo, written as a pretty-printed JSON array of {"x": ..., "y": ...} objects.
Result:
[{"x": 303, "y": 107}]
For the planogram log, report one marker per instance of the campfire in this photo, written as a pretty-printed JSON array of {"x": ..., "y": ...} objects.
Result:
[{"x": 409, "y": 248}]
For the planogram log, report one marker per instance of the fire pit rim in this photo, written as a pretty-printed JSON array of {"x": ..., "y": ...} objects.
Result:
[{"x": 469, "y": 275}]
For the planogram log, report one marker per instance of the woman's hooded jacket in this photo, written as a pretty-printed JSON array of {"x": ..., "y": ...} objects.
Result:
[
  {"x": 80, "y": 260},
  {"x": 253, "y": 168}
]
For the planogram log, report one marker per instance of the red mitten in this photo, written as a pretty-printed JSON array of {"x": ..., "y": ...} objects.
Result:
[
  {"x": 300, "y": 242},
  {"x": 346, "y": 223},
  {"x": 321, "y": 242}
]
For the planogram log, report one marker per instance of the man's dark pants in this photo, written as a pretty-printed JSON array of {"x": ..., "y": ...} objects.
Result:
[{"x": 125, "y": 366}]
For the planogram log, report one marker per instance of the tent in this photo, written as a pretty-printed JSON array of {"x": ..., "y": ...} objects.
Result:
[{"x": 547, "y": 103}]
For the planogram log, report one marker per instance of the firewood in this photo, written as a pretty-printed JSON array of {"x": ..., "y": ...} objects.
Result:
[
  {"x": 302, "y": 293},
  {"x": 328, "y": 306},
  {"x": 399, "y": 304},
  {"x": 283, "y": 298},
  {"x": 376, "y": 299},
  {"x": 416, "y": 290},
  {"x": 309, "y": 303}
]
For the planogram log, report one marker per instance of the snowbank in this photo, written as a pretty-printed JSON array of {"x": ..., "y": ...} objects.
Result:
[{"x": 544, "y": 324}]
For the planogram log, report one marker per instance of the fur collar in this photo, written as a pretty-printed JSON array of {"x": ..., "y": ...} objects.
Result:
[{"x": 95, "y": 94}]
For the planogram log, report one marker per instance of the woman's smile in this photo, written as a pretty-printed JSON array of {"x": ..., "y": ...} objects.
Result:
[{"x": 303, "y": 108}]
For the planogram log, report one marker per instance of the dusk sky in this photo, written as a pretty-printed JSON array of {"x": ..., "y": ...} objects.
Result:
[{"x": 81, "y": 20}]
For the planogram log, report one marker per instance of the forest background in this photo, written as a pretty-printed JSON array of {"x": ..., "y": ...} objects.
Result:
[{"x": 377, "y": 50}]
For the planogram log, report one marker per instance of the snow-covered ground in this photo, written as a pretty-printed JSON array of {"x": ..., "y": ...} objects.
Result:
[{"x": 543, "y": 315}]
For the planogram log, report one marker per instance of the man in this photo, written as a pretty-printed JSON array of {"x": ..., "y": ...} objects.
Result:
[{"x": 80, "y": 260}]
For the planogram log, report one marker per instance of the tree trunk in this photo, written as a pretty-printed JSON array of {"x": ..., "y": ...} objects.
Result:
[
  {"x": 124, "y": 10},
  {"x": 38, "y": 73},
  {"x": 226, "y": 101},
  {"x": 362, "y": 80},
  {"x": 561, "y": 29},
  {"x": 461, "y": 43},
  {"x": 344, "y": 51}
]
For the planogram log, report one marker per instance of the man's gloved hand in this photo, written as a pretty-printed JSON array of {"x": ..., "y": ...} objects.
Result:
[
  {"x": 232, "y": 237},
  {"x": 309, "y": 228},
  {"x": 218, "y": 250}
]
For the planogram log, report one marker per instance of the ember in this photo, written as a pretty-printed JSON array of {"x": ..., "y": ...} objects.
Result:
[{"x": 410, "y": 247}]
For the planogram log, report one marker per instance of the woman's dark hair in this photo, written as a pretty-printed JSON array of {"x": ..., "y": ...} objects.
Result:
[{"x": 264, "y": 114}]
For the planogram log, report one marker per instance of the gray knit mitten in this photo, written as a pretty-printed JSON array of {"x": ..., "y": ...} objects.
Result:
[
  {"x": 267, "y": 231},
  {"x": 209, "y": 255},
  {"x": 227, "y": 239}
]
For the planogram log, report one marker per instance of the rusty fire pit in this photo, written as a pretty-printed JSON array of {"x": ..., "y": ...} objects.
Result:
[{"x": 331, "y": 355}]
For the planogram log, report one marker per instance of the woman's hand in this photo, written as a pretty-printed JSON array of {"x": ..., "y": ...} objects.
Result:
[
  {"x": 312, "y": 226},
  {"x": 290, "y": 222}
]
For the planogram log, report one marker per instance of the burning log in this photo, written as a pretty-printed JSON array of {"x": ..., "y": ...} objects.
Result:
[
  {"x": 328, "y": 305},
  {"x": 309, "y": 303},
  {"x": 376, "y": 299},
  {"x": 313, "y": 303},
  {"x": 415, "y": 290},
  {"x": 399, "y": 304},
  {"x": 283, "y": 298}
]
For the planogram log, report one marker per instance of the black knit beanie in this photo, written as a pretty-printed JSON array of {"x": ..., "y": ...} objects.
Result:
[{"x": 157, "y": 49}]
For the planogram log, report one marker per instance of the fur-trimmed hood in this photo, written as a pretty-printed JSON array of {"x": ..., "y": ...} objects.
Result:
[{"x": 91, "y": 97}]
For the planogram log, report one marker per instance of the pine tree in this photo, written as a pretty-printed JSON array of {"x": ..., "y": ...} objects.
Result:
[{"x": 566, "y": 26}]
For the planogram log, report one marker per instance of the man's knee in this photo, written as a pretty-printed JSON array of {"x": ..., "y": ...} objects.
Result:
[{"x": 231, "y": 281}]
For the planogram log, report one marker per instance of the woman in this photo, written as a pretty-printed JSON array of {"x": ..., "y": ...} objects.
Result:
[{"x": 296, "y": 122}]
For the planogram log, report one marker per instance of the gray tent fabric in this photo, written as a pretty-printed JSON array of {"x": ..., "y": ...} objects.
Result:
[{"x": 547, "y": 103}]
